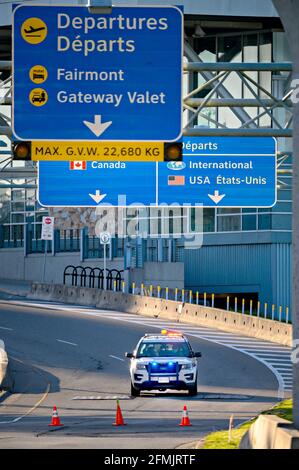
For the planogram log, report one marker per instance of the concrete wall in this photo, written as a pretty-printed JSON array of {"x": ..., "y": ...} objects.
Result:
[
  {"x": 159, "y": 274},
  {"x": 161, "y": 308},
  {"x": 270, "y": 432},
  {"x": 14, "y": 265}
]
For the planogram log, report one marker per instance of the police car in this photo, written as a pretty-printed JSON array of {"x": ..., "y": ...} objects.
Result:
[{"x": 163, "y": 361}]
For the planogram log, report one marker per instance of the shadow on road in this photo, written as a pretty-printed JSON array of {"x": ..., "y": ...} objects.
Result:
[{"x": 30, "y": 379}]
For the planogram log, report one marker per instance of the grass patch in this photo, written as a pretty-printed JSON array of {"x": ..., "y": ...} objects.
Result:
[
  {"x": 219, "y": 439},
  {"x": 284, "y": 410}
]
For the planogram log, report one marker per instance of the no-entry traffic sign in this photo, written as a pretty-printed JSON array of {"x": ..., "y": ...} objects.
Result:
[
  {"x": 47, "y": 228},
  {"x": 85, "y": 76}
]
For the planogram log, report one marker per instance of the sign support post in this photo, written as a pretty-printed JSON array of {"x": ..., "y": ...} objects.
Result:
[
  {"x": 288, "y": 12},
  {"x": 45, "y": 260},
  {"x": 105, "y": 269},
  {"x": 47, "y": 234},
  {"x": 105, "y": 239}
]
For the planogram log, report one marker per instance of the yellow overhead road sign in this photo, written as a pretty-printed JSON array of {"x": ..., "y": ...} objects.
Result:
[{"x": 77, "y": 150}]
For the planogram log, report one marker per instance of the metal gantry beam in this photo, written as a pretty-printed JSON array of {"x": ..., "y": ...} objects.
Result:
[
  {"x": 6, "y": 130},
  {"x": 239, "y": 132},
  {"x": 5, "y": 65},
  {"x": 17, "y": 172},
  {"x": 262, "y": 99},
  {"x": 239, "y": 102},
  {"x": 238, "y": 66},
  {"x": 222, "y": 92},
  {"x": 18, "y": 186}
]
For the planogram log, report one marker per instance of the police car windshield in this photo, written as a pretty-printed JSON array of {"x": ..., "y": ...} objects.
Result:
[{"x": 164, "y": 349}]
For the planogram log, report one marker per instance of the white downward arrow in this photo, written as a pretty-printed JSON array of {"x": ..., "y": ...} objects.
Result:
[
  {"x": 215, "y": 197},
  {"x": 97, "y": 127},
  {"x": 97, "y": 197}
]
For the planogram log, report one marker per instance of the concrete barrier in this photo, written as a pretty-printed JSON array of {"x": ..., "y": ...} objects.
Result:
[
  {"x": 270, "y": 432},
  {"x": 169, "y": 309},
  {"x": 3, "y": 367}
]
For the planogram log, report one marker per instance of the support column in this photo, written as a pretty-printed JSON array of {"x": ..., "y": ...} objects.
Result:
[
  {"x": 160, "y": 249},
  {"x": 289, "y": 14}
]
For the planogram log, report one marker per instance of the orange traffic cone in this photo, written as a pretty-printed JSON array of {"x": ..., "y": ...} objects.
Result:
[
  {"x": 55, "y": 418},
  {"x": 185, "y": 418},
  {"x": 119, "y": 420}
]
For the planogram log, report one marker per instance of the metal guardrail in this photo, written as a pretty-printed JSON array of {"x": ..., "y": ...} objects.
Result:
[{"x": 85, "y": 276}]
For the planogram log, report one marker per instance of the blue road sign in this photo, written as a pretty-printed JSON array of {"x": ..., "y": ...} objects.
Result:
[
  {"x": 215, "y": 172},
  {"x": 85, "y": 76}
]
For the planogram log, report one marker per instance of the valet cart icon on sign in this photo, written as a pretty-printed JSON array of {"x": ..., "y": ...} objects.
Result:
[{"x": 38, "y": 97}]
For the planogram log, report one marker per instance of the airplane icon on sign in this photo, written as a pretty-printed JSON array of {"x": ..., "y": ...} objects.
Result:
[{"x": 31, "y": 30}]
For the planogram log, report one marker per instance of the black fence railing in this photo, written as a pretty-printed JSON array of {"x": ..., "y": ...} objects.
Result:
[{"x": 85, "y": 276}]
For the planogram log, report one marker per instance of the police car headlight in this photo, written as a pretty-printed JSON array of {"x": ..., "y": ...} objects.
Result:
[
  {"x": 187, "y": 366},
  {"x": 140, "y": 366}
]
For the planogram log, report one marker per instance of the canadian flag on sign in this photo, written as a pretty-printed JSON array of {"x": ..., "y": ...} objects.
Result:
[{"x": 78, "y": 165}]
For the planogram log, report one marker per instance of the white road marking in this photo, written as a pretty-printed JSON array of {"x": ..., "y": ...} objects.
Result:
[
  {"x": 242, "y": 344},
  {"x": 282, "y": 363},
  {"x": 4, "y": 328},
  {"x": 275, "y": 354},
  {"x": 103, "y": 397},
  {"x": 274, "y": 348},
  {"x": 66, "y": 342},
  {"x": 118, "y": 358},
  {"x": 34, "y": 407}
]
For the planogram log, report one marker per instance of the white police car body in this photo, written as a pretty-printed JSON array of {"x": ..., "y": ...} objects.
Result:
[{"x": 163, "y": 361}]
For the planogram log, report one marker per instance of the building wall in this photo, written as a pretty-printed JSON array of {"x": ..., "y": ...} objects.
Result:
[
  {"x": 30, "y": 268},
  {"x": 264, "y": 268},
  {"x": 159, "y": 274}
]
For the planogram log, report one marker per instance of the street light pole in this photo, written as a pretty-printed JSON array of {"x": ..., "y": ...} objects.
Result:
[{"x": 288, "y": 11}]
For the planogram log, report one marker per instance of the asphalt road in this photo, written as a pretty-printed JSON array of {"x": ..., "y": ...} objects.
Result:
[{"x": 75, "y": 361}]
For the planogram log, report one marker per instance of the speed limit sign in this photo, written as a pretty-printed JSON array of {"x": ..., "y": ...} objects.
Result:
[{"x": 105, "y": 238}]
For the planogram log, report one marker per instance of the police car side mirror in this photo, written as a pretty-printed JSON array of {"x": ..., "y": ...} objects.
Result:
[
  {"x": 197, "y": 354},
  {"x": 129, "y": 355}
]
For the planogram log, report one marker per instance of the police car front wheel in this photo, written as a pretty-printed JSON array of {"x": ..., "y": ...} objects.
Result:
[
  {"x": 135, "y": 392},
  {"x": 193, "y": 390}
]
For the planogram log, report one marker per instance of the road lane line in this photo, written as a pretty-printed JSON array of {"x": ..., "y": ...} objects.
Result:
[
  {"x": 15, "y": 420},
  {"x": 66, "y": 342},
  {"x": 118, "y": 358},
  {"x": 4, "y": 328},
  {"x": 36, "y": 405}
]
